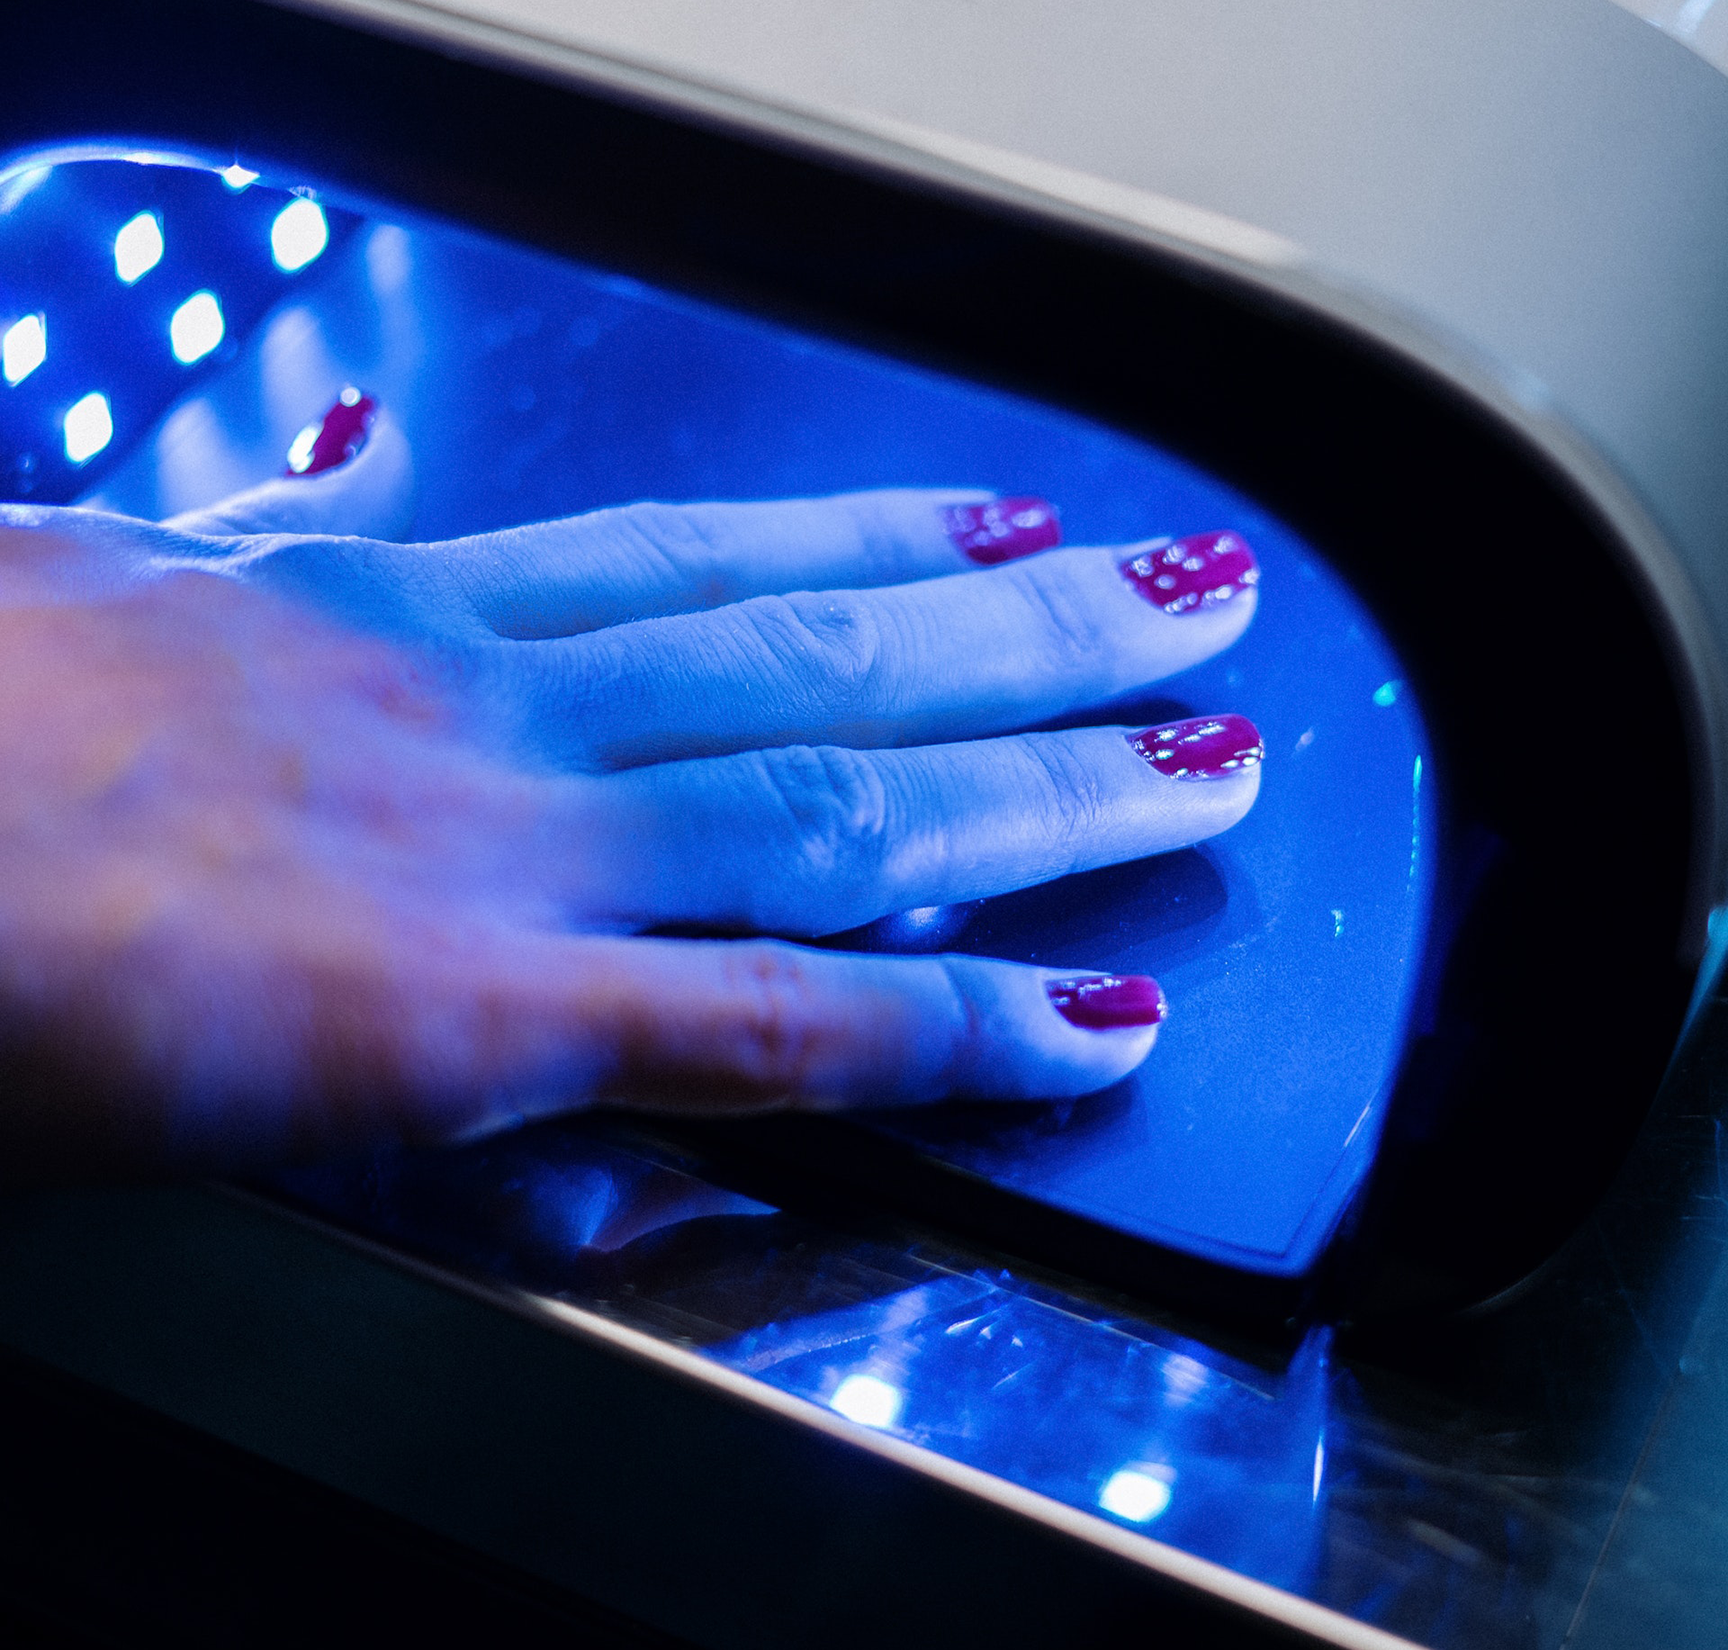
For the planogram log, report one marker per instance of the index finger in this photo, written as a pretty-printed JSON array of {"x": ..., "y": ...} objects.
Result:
[{"x": 560, "y": 578}]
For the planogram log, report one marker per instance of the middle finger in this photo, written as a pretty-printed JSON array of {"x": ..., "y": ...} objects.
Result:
[{"x": 945, "y": 659}]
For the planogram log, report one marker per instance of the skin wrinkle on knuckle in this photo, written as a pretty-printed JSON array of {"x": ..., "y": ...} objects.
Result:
[
  {"x": 839, "y": 821},
  {"x": 1070, "y": 793},
  {"x": 681, "y": 542},
  {"x": 824, "y": 649},
  {"x": 967, "y": 1046},
  {"x": 1068, "y": 631},
  {"x": 774, "y": 1035}
]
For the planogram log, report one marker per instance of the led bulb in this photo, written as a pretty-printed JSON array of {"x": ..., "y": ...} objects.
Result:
[
  {"x": 89, "y": 427},
  {"x": 298, "y": 235},
  {"x": 138, "y": 247},
  {"x": 24, "y": 348},
  {"x": 196, "y": 328}
]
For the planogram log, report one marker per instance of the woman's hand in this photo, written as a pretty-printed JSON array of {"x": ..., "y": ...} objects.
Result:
[{"x": 307, "y": 840}]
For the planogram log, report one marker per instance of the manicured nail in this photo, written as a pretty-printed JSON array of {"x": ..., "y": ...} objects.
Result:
[
  {"x": 1192, "y": 574},
  {"x": 1004, "y": 529},
  {"x": 1203, "y": 747},
  {"x": 1105, "y": 1002},
  {"x": 335, "y": 438}
]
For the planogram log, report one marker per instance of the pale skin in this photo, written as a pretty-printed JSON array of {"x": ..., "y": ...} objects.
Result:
[{"x": 311, "y": 841}]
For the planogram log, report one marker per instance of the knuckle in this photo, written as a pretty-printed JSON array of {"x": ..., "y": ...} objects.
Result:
[
  {"x": 684, "y": 540},
  {"x": 830, "y": 645},
  {"x": 1067, "y": 628},
  {"x": 838, "y": 819},
  {"x": 778, "y": 1037},
  {"x": 1073, "y": 799}
]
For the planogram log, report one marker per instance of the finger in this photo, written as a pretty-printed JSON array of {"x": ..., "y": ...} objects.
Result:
[
  {"x": 559, "y": 578},
  {"x": 987, "y": 652},
  {"x": 344, "y": 1033},
  {"x": 811, "y": 841},
  {"x": 349, "y": 473},
  {"x": 715, "y": 1027}
]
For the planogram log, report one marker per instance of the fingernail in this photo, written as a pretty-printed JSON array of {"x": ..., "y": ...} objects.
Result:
[
  {"x": 335, "y": 438},
  {"x": 1105, "y": 1002},
  {"x": 1004, "y": 529},
  {"x": 1192, "y": 574},
  {"x": 1203, "y": 747}
]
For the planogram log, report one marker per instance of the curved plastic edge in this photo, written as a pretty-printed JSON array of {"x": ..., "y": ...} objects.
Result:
[{"x": 1316, "y": 1622}]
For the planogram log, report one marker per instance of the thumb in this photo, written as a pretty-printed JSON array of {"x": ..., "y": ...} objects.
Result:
[{"x": 349, "y": 473}]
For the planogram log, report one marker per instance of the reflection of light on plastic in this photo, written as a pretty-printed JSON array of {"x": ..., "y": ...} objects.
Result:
[
  {"x": 138, "y": 247},
  {"x": 196, "y": 327},
  {"x": 1183, "y": 1377},
  {"x": 298, "y": 235},
  {"x": 1138, "y": 1494},
  {"x": 89, "y": 427},
  {"x": 237, "y": 177},
  {"x": 1319, "y": 1466},
  {"x": 20, "y": 184},
  {"x": 868, "y": 1400},
  {"x": 300, "y": 448},
  {"x": 24, "y": 348},
  {"x": 1386, "y": 695}
]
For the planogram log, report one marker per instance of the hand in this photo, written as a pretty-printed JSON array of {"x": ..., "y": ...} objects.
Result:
[{"x": 309, "y": 840}]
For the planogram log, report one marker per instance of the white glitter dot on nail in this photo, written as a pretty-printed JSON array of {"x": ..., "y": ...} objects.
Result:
[
  {"x": 1193, "y": 564},
  {"x": 1165, "y": 581},
  {"x": 1228, "y": 762},
  {"x": 1163, "y": 755}
]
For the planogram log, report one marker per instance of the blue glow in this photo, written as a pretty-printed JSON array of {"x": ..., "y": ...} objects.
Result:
[
  {"x": 196, "y": 327},
  {"x": 1138, "y": 1493},
  {"x": 24, "y": 348},
  {"x": 868, "y": 1400},
  {"x": 237, "y": 177},
  {"x": 89, "y": 427},
  {"x": 1386, "y": 695},
  {"x": 298, "y": 235},
  {"x": 138, "y": 247}
]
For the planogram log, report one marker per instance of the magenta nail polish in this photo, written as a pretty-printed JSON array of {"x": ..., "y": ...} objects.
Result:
[
  {"x": 336, "y": 438},
  {"x": 1203, "y": 747},
  {"x": 1192, "y": 574},
  {"x": 1106, "y": 1002},
  {"x": 1004, "y": 529}
]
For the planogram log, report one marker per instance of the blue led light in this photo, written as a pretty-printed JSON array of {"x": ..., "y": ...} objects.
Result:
[
  {"x": 138, "y": 247},
  {"x": 24, "y": 348},
  {"x": 88, "y": 427},
  {"x": 298, "y": 235},
  {"x": 196, "y": 328}
]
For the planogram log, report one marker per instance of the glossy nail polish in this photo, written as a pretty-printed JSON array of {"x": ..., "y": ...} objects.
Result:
[
  {"x": 1194, "y": 574},
  {"x": 1107, "y": 1002},
  {"x": 1004, "y": 529},
  {"x": 1203, "y": 747},
  {"x": 335, "y": 438}
]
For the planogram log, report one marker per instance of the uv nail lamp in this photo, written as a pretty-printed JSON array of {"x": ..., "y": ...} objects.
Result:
[{"x": 1423, "y": 994}]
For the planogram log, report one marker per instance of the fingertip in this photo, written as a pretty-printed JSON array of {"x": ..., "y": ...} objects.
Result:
[{"x": 1024, "y": 1046}]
